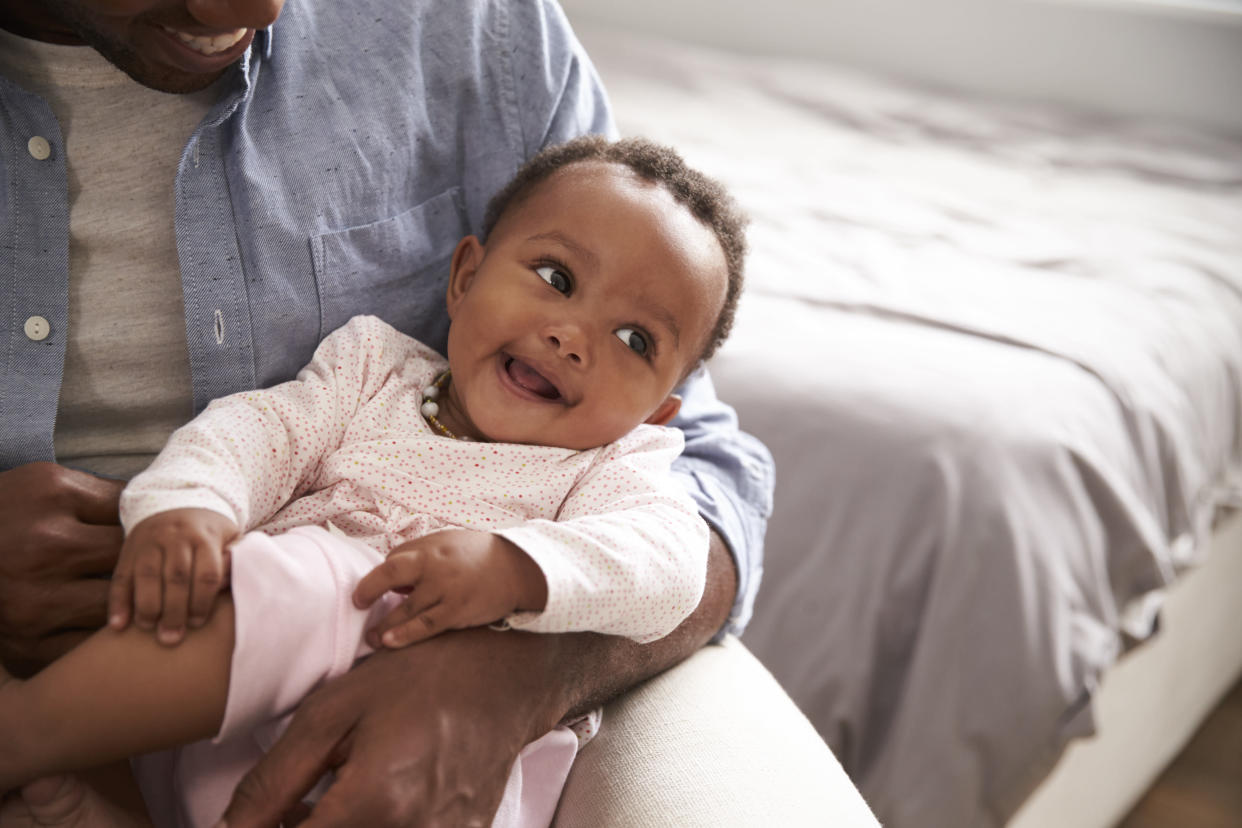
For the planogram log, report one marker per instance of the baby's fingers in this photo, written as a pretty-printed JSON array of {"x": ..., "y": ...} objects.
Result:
[
  {"x": 210, "y": 573},
  {"x": 401, "y": 571},
  {"x": 413, "y": 621},
  {"x": 178, "y": 569},
  {"x": 148, "y": 586}
]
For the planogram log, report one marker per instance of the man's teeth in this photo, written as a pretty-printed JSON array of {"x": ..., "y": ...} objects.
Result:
[{"x": 208, "y": 45}]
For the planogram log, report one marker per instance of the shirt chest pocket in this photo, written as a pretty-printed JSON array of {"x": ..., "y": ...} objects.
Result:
[{"x": 395, "y": 268}]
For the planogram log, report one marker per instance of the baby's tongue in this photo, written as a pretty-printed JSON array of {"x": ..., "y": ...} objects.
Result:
[{"x": 531, "y": 380}]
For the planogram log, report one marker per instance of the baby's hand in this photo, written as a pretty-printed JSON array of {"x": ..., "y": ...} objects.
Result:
[
  {"x": 172, "y": 565},
  {"x": 454, "y": 579}
]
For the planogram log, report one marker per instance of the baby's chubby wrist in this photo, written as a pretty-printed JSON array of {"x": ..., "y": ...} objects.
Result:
[
  {"x": 205, "y": 523},
  {"x": 149, "y": 495}
]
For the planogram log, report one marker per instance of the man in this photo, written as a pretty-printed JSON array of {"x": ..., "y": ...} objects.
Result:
[{"x": 161, "y": 250}]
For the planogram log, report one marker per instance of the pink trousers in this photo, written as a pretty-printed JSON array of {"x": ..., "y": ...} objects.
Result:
[{"x": 296, "y": 628}]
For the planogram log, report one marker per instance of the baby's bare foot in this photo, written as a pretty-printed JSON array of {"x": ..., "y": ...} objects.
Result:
[{"x": 63, "y": 802}]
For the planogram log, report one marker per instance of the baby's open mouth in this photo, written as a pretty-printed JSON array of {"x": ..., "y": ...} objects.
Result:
[{"x": 528, "y": 378}]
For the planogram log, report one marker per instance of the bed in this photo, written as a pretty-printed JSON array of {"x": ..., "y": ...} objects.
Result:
[{"x": 996, "y": 350}]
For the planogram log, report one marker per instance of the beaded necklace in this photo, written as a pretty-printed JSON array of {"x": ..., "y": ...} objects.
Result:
[{"x": 430, "y": 408}]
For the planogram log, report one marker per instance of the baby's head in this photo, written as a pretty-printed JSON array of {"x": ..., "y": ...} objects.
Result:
[{"x": 609, "y": 271}]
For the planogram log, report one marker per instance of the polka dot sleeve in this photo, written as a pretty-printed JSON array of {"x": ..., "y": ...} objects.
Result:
[
  {"x": 627, "y": 554},
  {"x": 248, "y": 454}
]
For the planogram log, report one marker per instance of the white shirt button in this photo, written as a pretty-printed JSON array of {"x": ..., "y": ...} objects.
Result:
[
  {"x": 37, "y": 328},
  {"x": 39, "y": 148}
]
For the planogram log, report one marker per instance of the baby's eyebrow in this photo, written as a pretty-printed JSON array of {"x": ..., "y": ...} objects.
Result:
[
  {"x": 565, "y": 241},
  {"x": 665, "y": 316}
]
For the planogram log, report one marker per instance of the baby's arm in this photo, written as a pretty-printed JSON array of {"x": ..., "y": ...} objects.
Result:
[
  {"x": 244, "y": 458},
  {"x": 454, "y": 579},
  {"x": 627, "y": 556},
  {"x": 627, "y": 553}
]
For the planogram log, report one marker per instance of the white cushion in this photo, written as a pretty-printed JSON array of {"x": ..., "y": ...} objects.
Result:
[{"x": 713, "y": 742}]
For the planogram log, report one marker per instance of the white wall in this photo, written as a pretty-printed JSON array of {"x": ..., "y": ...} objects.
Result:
[{"x": 1160, "y": 58}]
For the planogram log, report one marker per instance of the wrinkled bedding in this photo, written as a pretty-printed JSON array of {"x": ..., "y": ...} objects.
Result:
[{"x": 996, "y": 351}]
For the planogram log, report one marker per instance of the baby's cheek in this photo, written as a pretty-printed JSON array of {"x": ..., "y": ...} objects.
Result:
[{"x": 606, "y": 425}]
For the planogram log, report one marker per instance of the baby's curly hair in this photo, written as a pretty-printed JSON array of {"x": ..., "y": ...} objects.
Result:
[{"x": 704, "y": 197}]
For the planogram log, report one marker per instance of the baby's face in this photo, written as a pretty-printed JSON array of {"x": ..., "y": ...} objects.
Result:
[{"x": 589, "y": 302}]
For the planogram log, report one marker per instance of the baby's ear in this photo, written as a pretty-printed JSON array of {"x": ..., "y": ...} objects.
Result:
[
  {"x": 465, "y": 262},
  {"x": 666, "y": 411}
]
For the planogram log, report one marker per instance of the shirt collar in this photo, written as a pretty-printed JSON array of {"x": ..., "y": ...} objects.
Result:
[
  {"x": 265, "y": 37},
  {"x": 238, "y": 84}
]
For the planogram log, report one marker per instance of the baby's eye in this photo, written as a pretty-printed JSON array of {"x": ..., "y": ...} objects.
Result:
[
  {"x": 635, "y": 340},
  {"x": 555, "y": 278}
]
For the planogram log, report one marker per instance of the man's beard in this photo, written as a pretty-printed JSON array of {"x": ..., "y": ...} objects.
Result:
[{"x": 123, "y": 56}]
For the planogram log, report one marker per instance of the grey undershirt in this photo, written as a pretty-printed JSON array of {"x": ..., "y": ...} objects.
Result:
[{"x": 126, "y": 379}]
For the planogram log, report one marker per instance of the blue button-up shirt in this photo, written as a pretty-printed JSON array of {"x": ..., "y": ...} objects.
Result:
[{"x": 349, "y": 150}]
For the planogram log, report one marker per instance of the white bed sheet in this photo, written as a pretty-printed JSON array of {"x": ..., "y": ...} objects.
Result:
[{"x": 997, "y": 354}]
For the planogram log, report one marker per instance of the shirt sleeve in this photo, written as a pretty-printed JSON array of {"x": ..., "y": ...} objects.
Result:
[
  {"x": 627, "y": 554},
  {"x": 559, "y": 93},
  {"x": 246, "y": 455},
  {"x": 730, "y": 475}
]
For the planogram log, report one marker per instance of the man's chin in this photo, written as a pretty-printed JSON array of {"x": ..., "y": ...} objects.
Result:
[
  {"x": 171, "y": 80},
  {"x": 152, "y": 72},
  {"x": 150, "y": 57}
]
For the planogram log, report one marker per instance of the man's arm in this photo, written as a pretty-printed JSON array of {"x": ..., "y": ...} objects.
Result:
[
  {"x": 730, "y": 475},
  {"x": 61, "y": 537},
  {"x": 426, "y": 735}
]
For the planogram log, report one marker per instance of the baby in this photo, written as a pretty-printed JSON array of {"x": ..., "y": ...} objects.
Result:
[{"x": 387, "y": 495}]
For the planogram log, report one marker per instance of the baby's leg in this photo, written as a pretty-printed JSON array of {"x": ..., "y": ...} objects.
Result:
[
  {"x": 295, "y": 627},
  {"x": 114, "y": 696},
  {"x": 296, "y": 624}
]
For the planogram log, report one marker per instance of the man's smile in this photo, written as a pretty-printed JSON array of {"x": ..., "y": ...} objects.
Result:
[{"x": 208, "y": 44}]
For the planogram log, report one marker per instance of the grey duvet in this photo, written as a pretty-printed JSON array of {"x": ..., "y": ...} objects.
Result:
[{"x": 997, "y": 353}]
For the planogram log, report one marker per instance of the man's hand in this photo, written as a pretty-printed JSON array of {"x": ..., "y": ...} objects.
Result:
[
  {"x": 420, "y": 736},
  {"x": 61, "y": 537},
  {"x": 453, "y": 579},
  {"x": 425, "y": 736},
  {"x": 172, "y": 566}
]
